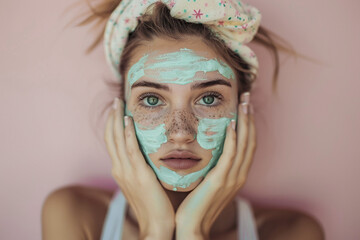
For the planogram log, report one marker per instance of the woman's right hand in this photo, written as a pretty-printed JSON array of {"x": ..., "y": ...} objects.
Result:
[{"x": 137, "y": 181}]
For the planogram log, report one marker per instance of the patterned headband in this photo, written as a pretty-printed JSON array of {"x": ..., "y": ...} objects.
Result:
[{"x": 236, "y": 23}]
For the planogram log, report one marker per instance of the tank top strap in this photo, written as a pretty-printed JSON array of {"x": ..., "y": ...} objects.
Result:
[
  {"x": 113, "y": 225},
  {"x": 247, "y": 229}
]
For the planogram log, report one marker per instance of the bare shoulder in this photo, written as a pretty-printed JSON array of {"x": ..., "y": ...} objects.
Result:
[
  {"x": 279, "y": 224},
  {"x": 75, "y": 212}
]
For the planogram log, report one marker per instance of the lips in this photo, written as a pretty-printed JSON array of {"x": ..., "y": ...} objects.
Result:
[{"x": 180, "y": 159}]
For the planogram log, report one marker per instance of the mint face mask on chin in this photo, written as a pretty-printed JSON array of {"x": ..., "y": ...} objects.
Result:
[{"x": 180, "y": 68}]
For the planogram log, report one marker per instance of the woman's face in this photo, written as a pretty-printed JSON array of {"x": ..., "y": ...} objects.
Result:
[{"x": 181, "y": 96}]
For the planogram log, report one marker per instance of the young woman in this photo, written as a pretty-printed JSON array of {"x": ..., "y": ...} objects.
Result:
[{"x": 181, "y": 132}]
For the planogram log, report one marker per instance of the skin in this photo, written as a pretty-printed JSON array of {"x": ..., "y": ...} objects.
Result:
[
  {"x": 204, "y": 124},
  {"x": 78, "y": 213},
  {"x": 203, "y": 210},
  {"x": 217, "y": 190}
]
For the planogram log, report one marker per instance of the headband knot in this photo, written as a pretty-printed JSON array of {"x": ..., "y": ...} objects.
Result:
[{"x": 233, "y": 21}]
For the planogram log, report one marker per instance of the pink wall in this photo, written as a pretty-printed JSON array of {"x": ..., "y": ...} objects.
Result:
[{"x": 50, "y": 93}]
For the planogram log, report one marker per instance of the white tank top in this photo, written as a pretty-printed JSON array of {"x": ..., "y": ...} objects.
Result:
[{"x": 113, "y": 225}]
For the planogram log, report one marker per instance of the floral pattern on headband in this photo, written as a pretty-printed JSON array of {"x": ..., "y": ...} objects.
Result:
[{"x": 233, "y": 21}]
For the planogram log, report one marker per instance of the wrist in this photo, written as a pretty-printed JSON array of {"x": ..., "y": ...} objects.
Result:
[
  {"x": 157, "y": 236},
  {"x": 161, "y": 232},
  {"x": 192, "y": 236},
  {"x": 183, "y": 233}
]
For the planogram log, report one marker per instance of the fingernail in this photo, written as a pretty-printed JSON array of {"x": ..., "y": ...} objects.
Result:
[
  {"x": 245, "y": 97},
  {"x": 233, "y": 124},
  {"x": 115, "y": 103},
  {"x": 126, "y": 120},
  {"x": 244, "y": 107}
]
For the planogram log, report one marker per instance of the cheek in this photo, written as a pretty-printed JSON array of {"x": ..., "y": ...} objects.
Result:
[
  {"x": 181, "y": 120},
  {"x": 227, "y": 109},
  {"x": 215, "y": 113},
  {"x": 175, "y": 121},
  {"x": 211, "y": 132},
  {"x": 150, "y": 139},
  {"x": 149, "y": 118}
]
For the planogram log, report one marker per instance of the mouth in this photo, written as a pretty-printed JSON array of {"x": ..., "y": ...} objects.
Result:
[{"x": 180, "y": 159}]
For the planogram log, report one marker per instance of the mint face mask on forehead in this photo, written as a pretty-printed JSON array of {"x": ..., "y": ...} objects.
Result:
[
  {"x": 177, "y": 67},
  {"x": 180, "y": 68}
]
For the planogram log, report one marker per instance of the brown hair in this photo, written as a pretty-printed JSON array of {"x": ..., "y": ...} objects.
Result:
[{"x": 161, "y": 24}]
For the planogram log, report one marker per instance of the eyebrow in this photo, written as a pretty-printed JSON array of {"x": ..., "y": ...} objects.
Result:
[
  {"x": 210, "y": 83},
  {"x": 198, "y": 85},
  {"x": 150, "y": 84}
]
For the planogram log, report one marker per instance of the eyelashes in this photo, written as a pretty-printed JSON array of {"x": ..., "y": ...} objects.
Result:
[
  {"x": 152, "y": 100},
  {"x": 149, "y": 100},
  {"x": 211, "y": 99}
]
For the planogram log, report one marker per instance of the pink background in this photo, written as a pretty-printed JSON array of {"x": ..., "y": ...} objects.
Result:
[{"x": 51, "y": 94}]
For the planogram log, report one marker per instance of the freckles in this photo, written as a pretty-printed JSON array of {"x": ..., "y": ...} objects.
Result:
[
  {"x": 220, "y": 112},
  {"x": 149, "y": 118},
  {"x": 181, "y": 121}
]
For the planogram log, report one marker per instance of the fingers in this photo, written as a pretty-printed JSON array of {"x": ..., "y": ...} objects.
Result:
[
  {"x": 248, "y": 159},
  {"x": 236, "y": 144},
  {"x": 121, "y": 141},
  {"x": 109, "y": 139},
  {"x": 242, "y": 133},
  {"x": 225, "y": 162},
  {"x": 119, "y": 132},
  {"x": 245, "y": 153},
  {"x": 132, "y": 146}
]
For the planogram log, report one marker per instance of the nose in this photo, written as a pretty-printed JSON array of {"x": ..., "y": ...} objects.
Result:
[{"x": 182, "y": 127}]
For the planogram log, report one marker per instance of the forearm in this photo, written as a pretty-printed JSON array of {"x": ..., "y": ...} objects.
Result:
[
  {"x": 192, "y": 236},
  {"x": 160, "y": 232},
  {"x": 183, "y": 233}
]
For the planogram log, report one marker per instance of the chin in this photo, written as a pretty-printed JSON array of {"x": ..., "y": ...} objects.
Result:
[{"x": 180, "y": 189}]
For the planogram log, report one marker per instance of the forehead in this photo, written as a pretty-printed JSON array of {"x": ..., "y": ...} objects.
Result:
[
  {"x": 163, "y": 58},
  {"x": 162, "y": 46}
]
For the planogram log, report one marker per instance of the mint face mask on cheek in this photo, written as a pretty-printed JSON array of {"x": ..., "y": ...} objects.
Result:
[
  {"x": 180, "y": 68},
  {"x": 215, "y": 141},
  {"x": 211, "y": 135}
]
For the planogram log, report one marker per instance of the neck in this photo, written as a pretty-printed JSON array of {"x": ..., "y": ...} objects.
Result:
[{"x": 176, "y": 198}]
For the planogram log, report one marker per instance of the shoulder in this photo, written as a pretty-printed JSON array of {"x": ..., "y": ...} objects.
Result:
[
  {"x": 278, "y": 224},
  {"x": 75, "y": 212}
]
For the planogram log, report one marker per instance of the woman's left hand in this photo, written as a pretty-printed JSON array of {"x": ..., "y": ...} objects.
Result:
[{"x": 202, "y": 206}]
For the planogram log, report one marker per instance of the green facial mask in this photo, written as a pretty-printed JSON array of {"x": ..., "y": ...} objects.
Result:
[
  {"x": 177, "y": 67},
  {"x": 180, "y": 68}
]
